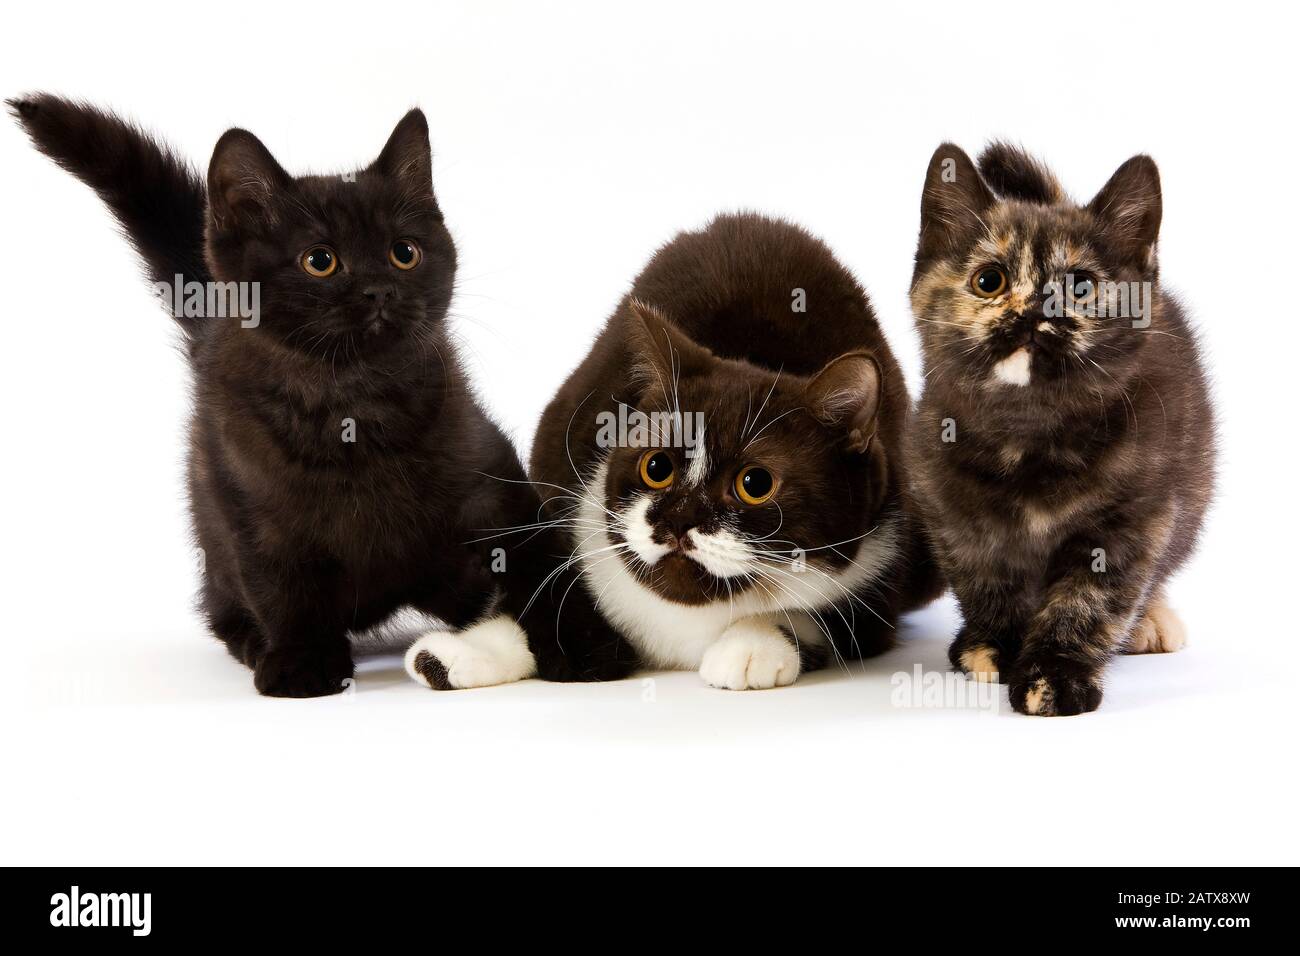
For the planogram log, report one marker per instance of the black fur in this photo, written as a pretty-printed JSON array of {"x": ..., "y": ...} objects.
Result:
[
  {"x": 156, "y": 196},
  {"x": 308, "y": 536},
  {"x": 1014, "y": 174}
]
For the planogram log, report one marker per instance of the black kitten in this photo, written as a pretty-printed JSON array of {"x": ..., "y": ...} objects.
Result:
[{"x": 339, "y": 468}]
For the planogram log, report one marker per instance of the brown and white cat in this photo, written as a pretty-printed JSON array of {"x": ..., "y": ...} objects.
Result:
[
  {"x": 1063, "y": 449},
  {"x": 762, "y": 530}
]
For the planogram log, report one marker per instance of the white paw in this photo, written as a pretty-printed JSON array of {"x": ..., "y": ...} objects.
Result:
[
  {"x": 494, "y": 651},
  {"x": 751, "y": 655}
]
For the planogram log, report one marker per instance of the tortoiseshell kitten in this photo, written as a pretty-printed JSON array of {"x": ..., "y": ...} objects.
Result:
[
  {"x": 769, "y": 534},
  {"x": 340, "y": 468},
  {"x": 1063, "y": 452}
]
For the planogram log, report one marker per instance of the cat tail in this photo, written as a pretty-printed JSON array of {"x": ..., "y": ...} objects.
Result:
[{"x": 159, "y": 199}]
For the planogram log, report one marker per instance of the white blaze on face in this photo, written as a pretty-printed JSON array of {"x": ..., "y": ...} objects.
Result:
[
  {"x": 640, "y": 535},
  {"x": 1014, "y": 369},
  {"x": 697, "y": 468}
]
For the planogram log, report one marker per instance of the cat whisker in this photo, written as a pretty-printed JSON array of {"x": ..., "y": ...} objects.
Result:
[
  {"x": 770, "y": 390},
  {"x": 536, "y": 526},
  {"x": 824, "y": 547},
  {"x": 573, "y": 560},
  {"x": 814, "y": 615}
]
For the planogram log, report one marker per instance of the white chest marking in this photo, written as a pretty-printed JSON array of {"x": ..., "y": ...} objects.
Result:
[{"x": 1014, "y": 369}]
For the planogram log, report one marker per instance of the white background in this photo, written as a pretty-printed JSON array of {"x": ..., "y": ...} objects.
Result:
[{"x": 568, "y": 144}]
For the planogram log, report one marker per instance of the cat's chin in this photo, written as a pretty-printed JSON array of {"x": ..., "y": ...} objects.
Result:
[
  {"x": 360, "y": 346},
  {"x": 1027, "y": 370},
  {"x": 677, "y": 578}
]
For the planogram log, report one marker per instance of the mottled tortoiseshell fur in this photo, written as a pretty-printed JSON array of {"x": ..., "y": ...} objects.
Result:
[{"x": 1064, "y": 463}]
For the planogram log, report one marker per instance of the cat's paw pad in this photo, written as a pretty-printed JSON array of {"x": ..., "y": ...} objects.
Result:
[
  {"x": 1160, "y": 631},
  {"x": 492, "y": 652},
  {"x": 750, "y": 657},
  {"x": 979, "y": 662},
  {"x": 1055, "y": 696}
]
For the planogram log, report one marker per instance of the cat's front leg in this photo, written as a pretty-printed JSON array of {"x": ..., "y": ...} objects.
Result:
[
  {"x": 569, "y": 637},
  {"x": 545, "y": 625},
  {"x": 493, "y": 651},
  {"x": 306, "y": 651},
  {"x": 1088, "y": 610},
  {"x": 994, "y": 610},
  {"x": 754, "y": 653},
  {"x": 499, "y": 650}
]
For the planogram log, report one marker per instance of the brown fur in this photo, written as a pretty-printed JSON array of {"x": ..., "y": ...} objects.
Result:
[{"x": 709, "y": 326}]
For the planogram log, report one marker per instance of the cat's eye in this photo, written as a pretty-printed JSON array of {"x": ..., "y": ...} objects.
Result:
[
  {"x": 656, "y": 470},
  {"x": 404, "y": 254},
  {"x": 1084, "y": 288},
  {"x": 988, "y": 282},
  {"x": 754, "y": 484},
  {"x": 319, "y": 261}
]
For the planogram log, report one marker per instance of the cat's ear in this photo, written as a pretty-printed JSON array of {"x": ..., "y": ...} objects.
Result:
[
  {"x": 407, "y": 158},
  {"x": 846, "y": 395},
  {"x": 953, "y": 203},
  {"x": 1128, "y": 208},
  {"x": 661, "y": 352},
  {"x": 243, "y": 180}
]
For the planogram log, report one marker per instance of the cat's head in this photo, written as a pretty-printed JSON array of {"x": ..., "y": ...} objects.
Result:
[
  {"x": 770, "y": 479},
  {"x": 348, "y": 265},
  {"x": 1020, "y": 292}
]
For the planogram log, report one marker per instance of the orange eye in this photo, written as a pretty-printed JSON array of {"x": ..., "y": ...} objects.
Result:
[
  {"x": 755, "y": 484},
  {"x": 404, "y": 254},
  {"x": 989, "y": 282},
  {"x": 319, "y": 261},
  {"x": 656, "y": 470}
]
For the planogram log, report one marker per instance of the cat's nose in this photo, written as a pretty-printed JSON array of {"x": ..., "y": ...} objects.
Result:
[
  {"x": 378, "y": 294},
  {"x": 677, "y": 527},
  {"x": 679, "y": 540}
]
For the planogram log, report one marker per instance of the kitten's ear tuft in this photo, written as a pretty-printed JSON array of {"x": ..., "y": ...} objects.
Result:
[
  {"x": 1013, "y": 174},
  {"x": 661, "y": 352},
  {"x": 953, "y": 203},
  {"x": 243, "y": 179},
  {"x": 846, "y": 395},
  {"x": 1129, "y": 210},
  {"x": 407, "y": 157}
]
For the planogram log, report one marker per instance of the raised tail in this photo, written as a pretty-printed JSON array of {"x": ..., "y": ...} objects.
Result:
[{"x": 158, "y": 198}]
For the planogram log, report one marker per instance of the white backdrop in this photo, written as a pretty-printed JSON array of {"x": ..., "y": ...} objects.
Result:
[{"x": 568, "y": 144}]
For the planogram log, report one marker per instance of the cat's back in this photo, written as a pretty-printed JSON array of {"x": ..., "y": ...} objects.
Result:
[
  {"x": 745, "y": 286},
  {"x": 760, "y": 289},
  {"x": 1174, "y": 395}
]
